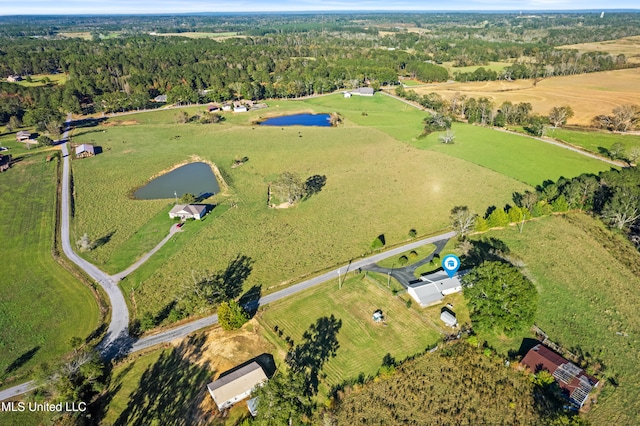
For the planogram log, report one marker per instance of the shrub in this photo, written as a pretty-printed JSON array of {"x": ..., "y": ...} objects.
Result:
[
  {"x": 403, "y": 260},
  {"x": 498, "y": 218},
  {"x": 231, "y": 315},
  {"x": 379, "y": 242},
  {"x": 412, "y": 233}
]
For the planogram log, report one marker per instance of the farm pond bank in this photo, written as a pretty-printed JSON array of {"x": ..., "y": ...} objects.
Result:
[{"x": 194, "y": 178}]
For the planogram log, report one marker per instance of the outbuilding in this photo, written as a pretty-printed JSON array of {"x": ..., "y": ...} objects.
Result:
[
  {"x": 236, "y": 385},
  {"x": 448, "y": 318},
  {"x": 85, "y": 150}
]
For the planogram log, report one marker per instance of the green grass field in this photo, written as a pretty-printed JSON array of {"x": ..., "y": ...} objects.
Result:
[
  {"x": 411, "y": 83},
  {"x": 338, "y": 224},
  {"x": 493, "y": 66},
  {"x": 586, "y": 296},
  {"x": 41, "y": 305},
  {"x": 36, "y": 80},
  {"x": 594, "y": 141},
  {"x": 420, "y": 253},
  {"x": 363, "y": 343},
  {"x": 520, "y": 157}
]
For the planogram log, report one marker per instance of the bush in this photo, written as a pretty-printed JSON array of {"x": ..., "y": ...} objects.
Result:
[
  {"x": 231, "y": 315},
  {"x": 379, "y": 242},
  {"x": 403, "y": 260},
  {"x": 412, "y": 233},
  {"x": 498, "y": 218},
  {"x": 413, "y": 254}
]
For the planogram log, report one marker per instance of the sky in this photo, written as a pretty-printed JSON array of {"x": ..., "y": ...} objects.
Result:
[{"x": 68, "y": 7}]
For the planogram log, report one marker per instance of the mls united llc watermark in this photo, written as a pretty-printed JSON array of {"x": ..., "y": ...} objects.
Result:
[{"x": 43, "y": 406}]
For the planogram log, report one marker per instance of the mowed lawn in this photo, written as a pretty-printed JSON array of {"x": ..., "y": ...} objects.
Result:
[
  {"x": 363, "y": 343},
  {"x": 41, "y": 305},
  {"x": 520, "y": 157},
  {"x": 595, "y": 141},
  {"x": 375, "y": 185},
  {"x": 586, "y": 297}
]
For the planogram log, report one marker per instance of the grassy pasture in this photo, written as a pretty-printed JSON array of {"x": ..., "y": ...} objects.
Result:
[
  {"x": 593, "y": 141},
  {"x": 363, "y": 343},
  {"x": 519, "y": 157},
  {"x": 332, "y": 227},
  {"x": 493, "y": 66},
  {"x": 56, "y": 79},
  {"x": 200, "y": 35},
  {"x": 41, "y": 305},
  {"x": 588, "y": 94},
  {"x": 586, "y": 296},
  {"x": 628, "y": 46}
]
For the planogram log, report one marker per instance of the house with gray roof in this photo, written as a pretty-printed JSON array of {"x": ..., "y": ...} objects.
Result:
[
  {"x": 435, "y": 287},
  {"x": 236, "y": 385},
  {"x": 188, "y": 211}
]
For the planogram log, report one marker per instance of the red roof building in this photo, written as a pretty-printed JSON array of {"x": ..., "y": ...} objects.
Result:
[{"x": 574, "y": 382}]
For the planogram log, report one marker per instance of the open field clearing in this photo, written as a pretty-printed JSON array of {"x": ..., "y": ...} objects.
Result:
[
  {"x": 41, "y": 305},
  {"x": 375, "y": 185},
  {"x": 586, "y": 297},
  {"x": 628, "y": 46},
  {"x": 594, "y": 141},
  {"x": 588, "y": 94},
  {"x": 492, "y": 66},
  {"x": 37, "y": 80},
  {"x": 520, "y": 157},
  {"x": 207, "y": 355},
  {"x": 363, "y": 343},
  {"x": 199, "y": 35}
]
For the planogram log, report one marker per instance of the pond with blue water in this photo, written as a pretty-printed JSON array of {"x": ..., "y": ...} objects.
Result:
[
  {"x": 194, "y": 178},
  {"x": 322, "y": 120}
]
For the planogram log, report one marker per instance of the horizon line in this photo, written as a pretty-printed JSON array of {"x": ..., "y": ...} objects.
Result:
[{"x": 336, "y": 11}]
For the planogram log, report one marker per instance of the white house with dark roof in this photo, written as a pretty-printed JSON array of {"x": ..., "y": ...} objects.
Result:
[
  {"x": 188, "y": 211},
  {"x": 236, "y": 385}
]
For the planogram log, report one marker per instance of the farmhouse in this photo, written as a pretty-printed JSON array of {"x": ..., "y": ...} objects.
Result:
[
  {"x": 240, "y": 108},
  {"x": 436, "y": 287},
  {"x": 188, "y": 211},
  {"x": 14, "y": 78},
  {"x": 22, "y": 136},
  {"x": 574, "y": 382},
  {"x": 85, "y": 150},
  {"x": 236, "y": 385},
  {"x": 363, "y": 91}
]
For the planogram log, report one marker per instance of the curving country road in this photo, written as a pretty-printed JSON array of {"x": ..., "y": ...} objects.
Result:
[{"x": 117, "y": 342}]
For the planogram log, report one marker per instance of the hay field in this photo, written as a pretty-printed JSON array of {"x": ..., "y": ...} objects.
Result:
[
  {"x": 588, "y": 94},
  {"x": 628, "y": 46},
  {"x": 375, "y": 185}
]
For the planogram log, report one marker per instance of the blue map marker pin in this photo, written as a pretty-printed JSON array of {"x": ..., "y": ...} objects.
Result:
[{"x": 451, "y": 264}]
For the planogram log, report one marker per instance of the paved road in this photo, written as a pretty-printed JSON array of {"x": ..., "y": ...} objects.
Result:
[
  {"x": 17, "y": 390},
  {"x": 185, "y": 330},
  {"x": 405, "y": 275}
]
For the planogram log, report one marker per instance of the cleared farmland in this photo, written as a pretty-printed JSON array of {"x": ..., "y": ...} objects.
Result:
[
  {"x": 628, "y": 46},
  {"x": 375, "y": 185},
  {"x": 41, "y": 304},
  {"x": 588, "y": 94}
]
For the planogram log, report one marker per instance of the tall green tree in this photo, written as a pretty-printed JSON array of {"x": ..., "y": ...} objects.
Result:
[
  {"x": 283, "y": 400},
  {"x": 231, "y": 316},
  {"x": 500, "y": 298}
]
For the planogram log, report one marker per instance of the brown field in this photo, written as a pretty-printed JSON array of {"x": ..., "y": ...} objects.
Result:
[
  {"x": 628, "y": 46},
  {"x": 588, "y": 94}
]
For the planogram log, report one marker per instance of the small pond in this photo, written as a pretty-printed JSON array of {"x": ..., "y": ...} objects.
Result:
[
  {"x": 323, "y": 120},
  {"x": 193, "y": 178}
]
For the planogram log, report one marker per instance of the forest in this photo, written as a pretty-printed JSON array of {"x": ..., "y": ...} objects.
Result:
[{"x": 124, "y": 63}]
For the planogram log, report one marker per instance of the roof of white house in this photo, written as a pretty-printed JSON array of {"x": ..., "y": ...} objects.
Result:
[
  {"x": 237, "y": 383},
  {"x": 365, "y": 90},
  {"x": 435, "y": 286},
  {"x": 85, "y": 147},
  {"x": 192, "y": 209}
]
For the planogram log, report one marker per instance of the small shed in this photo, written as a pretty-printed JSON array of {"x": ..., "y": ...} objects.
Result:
[
  {"x": 22, "y": 136},
  {"x": 240, "y": 108},
  {"x": 378, "y": 316},
  {"x": 85, "y": 150},
  {"x": 448, "y": 318},
  {"x": 160, "y": 98}
]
